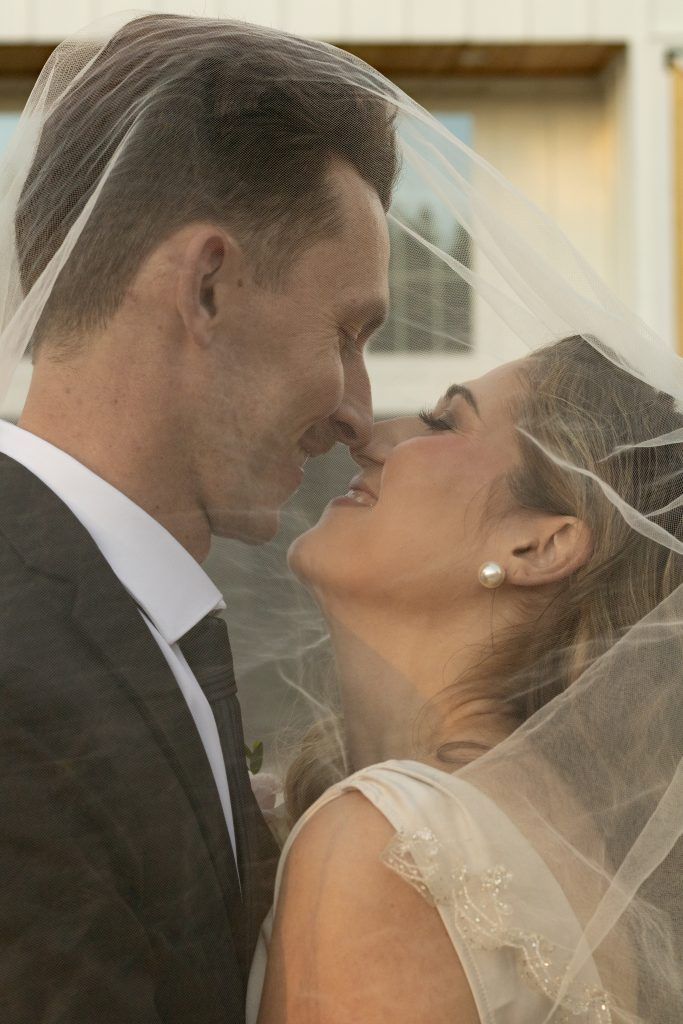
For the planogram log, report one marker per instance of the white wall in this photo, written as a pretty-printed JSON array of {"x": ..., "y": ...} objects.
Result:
[{"x": 557, "y": 143}]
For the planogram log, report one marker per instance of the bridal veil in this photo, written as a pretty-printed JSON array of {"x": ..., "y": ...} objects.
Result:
[{"x": 593, "y": 778}]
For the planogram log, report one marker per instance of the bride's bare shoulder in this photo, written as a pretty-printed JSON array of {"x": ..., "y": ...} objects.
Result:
[
  {"x": 347, "y": 826},
  {"x": 352, "y": 940}
]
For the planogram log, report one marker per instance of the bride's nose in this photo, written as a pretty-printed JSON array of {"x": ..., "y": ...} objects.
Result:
[{"x": 386, "y": 434}]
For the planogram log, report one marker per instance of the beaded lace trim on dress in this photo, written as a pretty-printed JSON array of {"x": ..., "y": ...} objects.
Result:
[{"x": 486, "y": 920}]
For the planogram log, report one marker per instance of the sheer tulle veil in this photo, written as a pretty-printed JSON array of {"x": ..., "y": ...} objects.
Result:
[{"x": 593, "y": 777}]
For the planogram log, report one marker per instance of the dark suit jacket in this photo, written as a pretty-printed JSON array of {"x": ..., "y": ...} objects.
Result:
[{"x": 119, "y": 898}]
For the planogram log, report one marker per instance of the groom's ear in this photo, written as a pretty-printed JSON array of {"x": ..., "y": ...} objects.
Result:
[
  {"x": 549, "y": 549},
  {"x": 208, "y": 261}
]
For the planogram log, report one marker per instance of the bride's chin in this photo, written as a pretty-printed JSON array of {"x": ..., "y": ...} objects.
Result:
[
  {"x": 310, "y": 559},
  {"x": 299, "y": 557}
]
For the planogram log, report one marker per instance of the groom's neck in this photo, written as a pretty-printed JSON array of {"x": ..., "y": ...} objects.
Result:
[{"x": 116, "y": 423}]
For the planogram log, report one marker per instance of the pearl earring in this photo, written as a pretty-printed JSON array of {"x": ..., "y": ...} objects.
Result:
[{"x": 491, "y": 575}]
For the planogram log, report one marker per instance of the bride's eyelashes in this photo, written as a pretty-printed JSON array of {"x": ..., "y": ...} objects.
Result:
[{"x": 436, "y": 422}]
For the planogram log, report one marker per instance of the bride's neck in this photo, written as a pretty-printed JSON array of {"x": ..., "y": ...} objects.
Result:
[{"x": 391, "y": 665}]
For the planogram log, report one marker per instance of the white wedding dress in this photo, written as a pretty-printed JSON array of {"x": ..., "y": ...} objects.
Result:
[{"x": 505, "y": 913}]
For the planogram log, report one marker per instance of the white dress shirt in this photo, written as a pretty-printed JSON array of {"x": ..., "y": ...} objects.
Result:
[{"x": 171, "y": 588}]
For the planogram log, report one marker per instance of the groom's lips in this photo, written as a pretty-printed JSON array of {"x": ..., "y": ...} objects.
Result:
[{"x": 314, "y": 449}]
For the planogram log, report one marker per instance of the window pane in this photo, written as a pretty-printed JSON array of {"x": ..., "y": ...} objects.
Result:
[
  {"x": 8, "y": 123},
  {"x": 430, "y": 306}
]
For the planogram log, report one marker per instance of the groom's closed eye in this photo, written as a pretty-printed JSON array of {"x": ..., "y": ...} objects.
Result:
[{"x": 366, "y": 318}]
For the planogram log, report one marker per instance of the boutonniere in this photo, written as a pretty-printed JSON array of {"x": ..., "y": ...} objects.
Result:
[
  {"x": 268, "y": 790},
  {"x": 254, "y": 757}
]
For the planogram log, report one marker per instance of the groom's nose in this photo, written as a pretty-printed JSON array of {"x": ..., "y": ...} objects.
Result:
[
  {"x": 352, "y": 422},
  {"x": 386, "y": 434}
]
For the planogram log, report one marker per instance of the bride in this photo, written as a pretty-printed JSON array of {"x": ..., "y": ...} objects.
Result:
[{"x": 468, "y": 580}]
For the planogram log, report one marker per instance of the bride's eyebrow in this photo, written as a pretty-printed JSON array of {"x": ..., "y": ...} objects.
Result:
[{"x": 460, "y": 389}]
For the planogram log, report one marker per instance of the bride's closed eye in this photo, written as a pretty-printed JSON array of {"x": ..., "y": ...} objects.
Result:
[{"x": 437, "y": 422}]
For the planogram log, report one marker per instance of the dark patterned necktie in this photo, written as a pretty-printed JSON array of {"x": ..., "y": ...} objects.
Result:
[{"x": 206, "y": 648}]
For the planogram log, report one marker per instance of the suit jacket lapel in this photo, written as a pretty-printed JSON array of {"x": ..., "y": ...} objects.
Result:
[
  {"x": 50, "y": 539},
  {"x": 111, "y": 622}
]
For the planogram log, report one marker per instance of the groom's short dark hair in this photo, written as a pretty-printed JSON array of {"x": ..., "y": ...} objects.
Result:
[{"x": 237, "y": 127}]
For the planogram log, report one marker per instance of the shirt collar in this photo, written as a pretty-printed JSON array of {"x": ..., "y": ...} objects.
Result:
[{"x": 161, "y": 576}]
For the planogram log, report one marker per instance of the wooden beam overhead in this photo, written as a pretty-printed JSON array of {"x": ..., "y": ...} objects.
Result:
[
  {"x": 23, "y": 60},
  {"x": 469, "y": 60},
  {"x": 408, "y": 59}
]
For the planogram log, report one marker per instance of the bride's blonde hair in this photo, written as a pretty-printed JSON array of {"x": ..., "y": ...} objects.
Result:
[{"x": 582, "y": 407}]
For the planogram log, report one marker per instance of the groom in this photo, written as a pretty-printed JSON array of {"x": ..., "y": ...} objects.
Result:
[{"x": 205, "y": 337}]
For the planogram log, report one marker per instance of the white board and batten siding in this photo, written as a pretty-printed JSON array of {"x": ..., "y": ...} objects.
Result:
[{"x": 379, "y": 20}]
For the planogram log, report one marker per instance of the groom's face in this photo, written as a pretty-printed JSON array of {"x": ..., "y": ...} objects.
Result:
[{"x": 291, "y": 379}]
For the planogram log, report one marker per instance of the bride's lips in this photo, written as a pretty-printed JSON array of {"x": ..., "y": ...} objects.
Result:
[
  {"x": 359, "y": 483},
  {"x": 358, "y": 494}
]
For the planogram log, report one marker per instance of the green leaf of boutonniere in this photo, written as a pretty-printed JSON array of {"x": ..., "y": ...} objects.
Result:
[{"x": 254, "y": 757}]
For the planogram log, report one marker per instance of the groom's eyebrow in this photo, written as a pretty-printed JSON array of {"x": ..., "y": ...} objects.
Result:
[{"x": 460, "y": 389}]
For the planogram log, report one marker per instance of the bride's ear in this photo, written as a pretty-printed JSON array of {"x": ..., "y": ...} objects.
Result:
[{"x": 552, "y": 549}]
